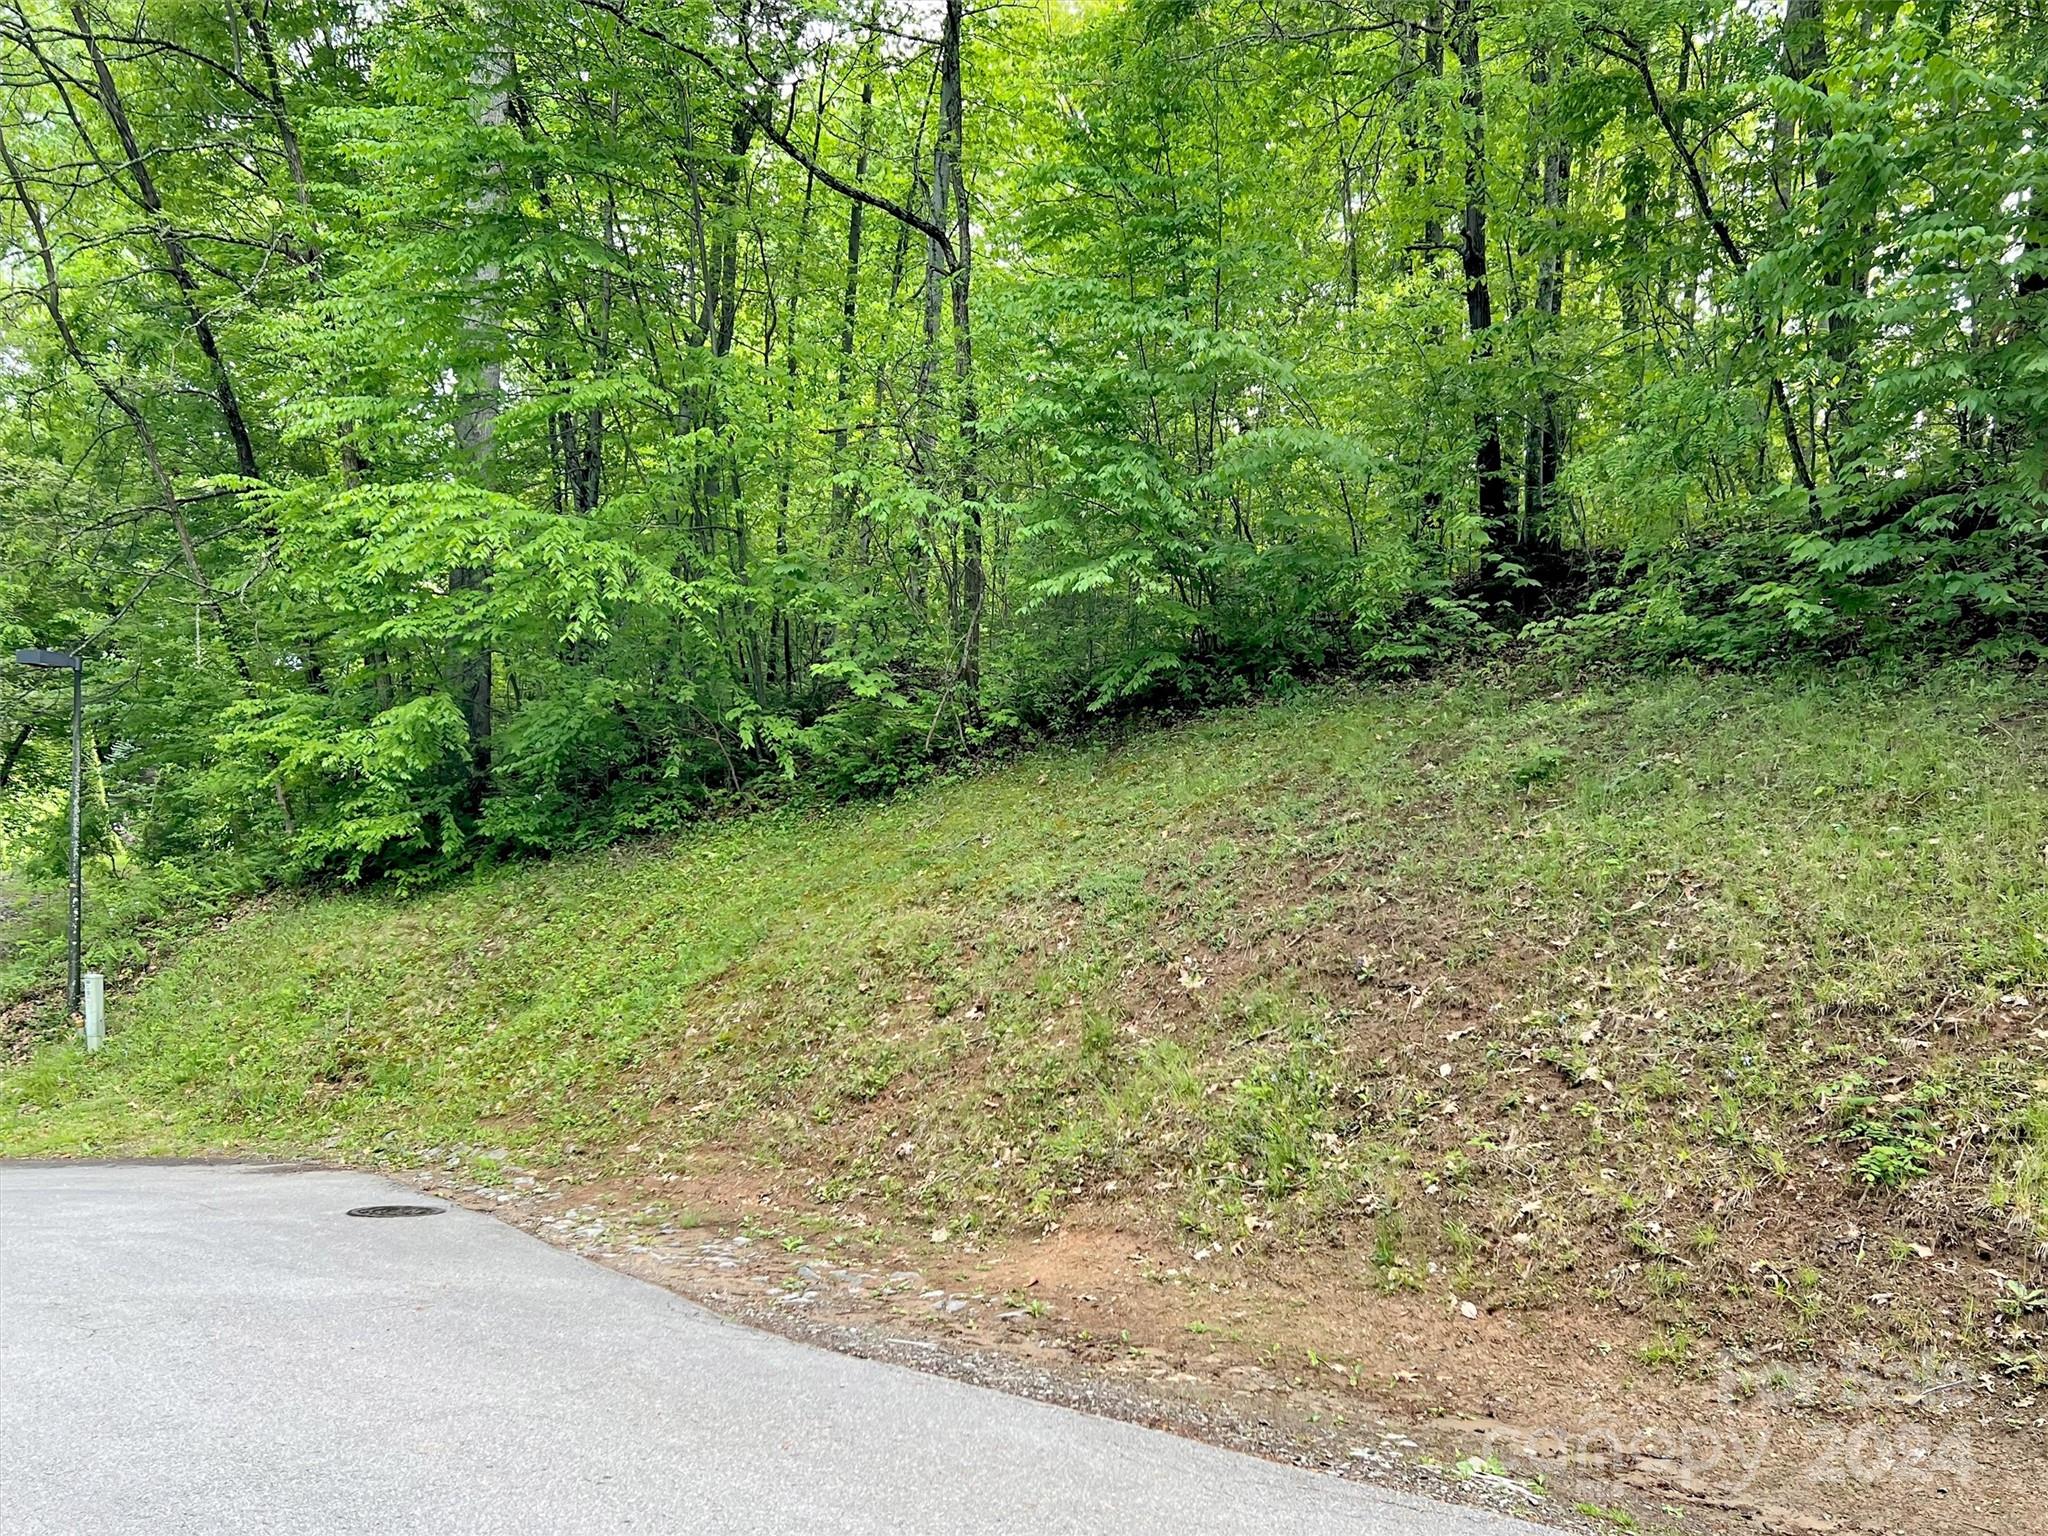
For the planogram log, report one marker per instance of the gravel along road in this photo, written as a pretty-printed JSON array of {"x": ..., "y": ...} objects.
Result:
[{"x": 210, "y": 1348}]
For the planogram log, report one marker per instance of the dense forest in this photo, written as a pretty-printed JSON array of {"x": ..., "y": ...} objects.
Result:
[{"x": 449, "y": 429}]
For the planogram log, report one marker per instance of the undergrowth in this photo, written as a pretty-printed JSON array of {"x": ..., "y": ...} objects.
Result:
[{"x": 1717, "y": 1000}]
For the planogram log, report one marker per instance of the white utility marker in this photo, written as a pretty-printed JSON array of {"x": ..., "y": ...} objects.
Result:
[{"x": 95, "y": 1010}]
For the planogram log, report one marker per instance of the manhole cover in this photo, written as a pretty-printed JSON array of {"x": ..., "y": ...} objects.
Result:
[{"x": 397, "y": 1210}]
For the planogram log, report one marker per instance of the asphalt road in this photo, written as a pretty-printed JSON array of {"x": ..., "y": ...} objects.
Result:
[{"x": 188, "y": 1349}]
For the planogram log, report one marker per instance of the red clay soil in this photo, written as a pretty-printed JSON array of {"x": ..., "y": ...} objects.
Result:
[{"x": 1554, "y": 1414}]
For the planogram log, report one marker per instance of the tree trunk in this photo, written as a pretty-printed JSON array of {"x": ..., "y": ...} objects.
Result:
[
  {"x": 12, "y": 754},
  {"x": 471, "y": 674},
  {"x": 51, "y": 292},
  {"x": 952, "y": 142},
  {"x": 175, "y": 256},
  {"x": 1631, "y": 51},
  {"x": 1492, "y": 504},
  {"x": 843, "y": 493},
  {"x": 1543, "y": 448}
]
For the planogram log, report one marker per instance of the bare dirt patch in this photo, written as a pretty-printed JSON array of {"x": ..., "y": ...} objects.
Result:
[{"x": 1552, "y": 1415}]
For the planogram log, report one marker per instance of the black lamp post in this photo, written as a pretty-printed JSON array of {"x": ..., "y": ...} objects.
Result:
[{"x": 64, "y": 661}]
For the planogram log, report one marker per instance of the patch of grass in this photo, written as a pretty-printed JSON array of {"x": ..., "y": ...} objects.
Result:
[
  {"x": 2023, "y": 1190},
  {"x": 131, "y": 912},
  {"x": 1613, "y": 1515},
  {"x": 1534, "y": 992},
  {"x": 1671, "y": 1347}
]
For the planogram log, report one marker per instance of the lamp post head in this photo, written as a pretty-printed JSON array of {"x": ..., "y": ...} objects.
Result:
[{"x": 63, "y": 661}]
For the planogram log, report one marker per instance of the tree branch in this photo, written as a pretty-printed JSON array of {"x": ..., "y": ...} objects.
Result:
[{"x": 764, "y": 119}]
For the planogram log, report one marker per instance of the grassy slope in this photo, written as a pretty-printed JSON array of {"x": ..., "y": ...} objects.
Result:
[{"x": 1702, "y": 997}]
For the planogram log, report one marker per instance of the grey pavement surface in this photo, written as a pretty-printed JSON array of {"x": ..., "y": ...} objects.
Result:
[{"x": 202, "y": 1349}]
